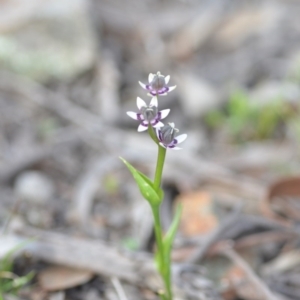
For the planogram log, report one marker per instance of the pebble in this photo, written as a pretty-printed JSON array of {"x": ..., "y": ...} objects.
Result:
[{"x": 34, "y": 187}]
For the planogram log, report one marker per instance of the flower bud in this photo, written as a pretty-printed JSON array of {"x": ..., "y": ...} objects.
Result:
[
  {"x": 158, "y": 85},
  {"x": 168, "y": 133},
  {"x": 167, "y": 136}
]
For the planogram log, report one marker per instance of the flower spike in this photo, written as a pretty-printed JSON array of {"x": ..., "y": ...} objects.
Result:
[
  {"x": 158, "y": 85},
  {"x": 148, "y": 115},
  {"x": 167, "y": 138}
]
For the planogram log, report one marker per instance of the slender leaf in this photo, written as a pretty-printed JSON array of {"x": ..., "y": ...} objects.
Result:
[
  {"x": 170, "y": 235},
  {"x": 160, "y": 192},
  {"x": 145, "y": 185}
]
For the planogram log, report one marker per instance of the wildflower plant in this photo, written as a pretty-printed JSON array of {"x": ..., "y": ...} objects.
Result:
[
  {"x": 166, "y": 138},
  {"x": 10, "y": 283}
]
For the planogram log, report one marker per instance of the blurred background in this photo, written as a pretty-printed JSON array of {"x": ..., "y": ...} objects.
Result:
[{"x": 69, "y": 72}]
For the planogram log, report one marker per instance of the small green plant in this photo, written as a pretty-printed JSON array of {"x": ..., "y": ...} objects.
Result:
[
  {"x": 10, "y": 283},
  {"x": 130, "y": 243},
  {"x": 110, "y": 184},
  {"x": 165, "y": 137},
  {"x": 246, "y": 121}
]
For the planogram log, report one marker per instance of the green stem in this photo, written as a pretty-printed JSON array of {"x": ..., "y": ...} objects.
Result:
[
  {"x": 159, "y": 166},
  {"x": 152, "y": 134},
  {"x": 163, "y": 259},
  {"x": 158, "y": 236}
]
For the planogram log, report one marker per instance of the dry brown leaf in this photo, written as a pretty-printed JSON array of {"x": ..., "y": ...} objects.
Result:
[
  {"x": 60, "y": 278},
  {"x": 239, "y": 284},
  {"x": 282, "y": 202},
  {"x": 197, "y": 215}
]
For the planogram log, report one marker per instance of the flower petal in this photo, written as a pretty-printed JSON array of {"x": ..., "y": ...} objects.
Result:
[
  {"x": 164, "y": 113},
  {"x": 142, "y": 128},
  {"x": 154, "y": 102},
  {"x": 140, "y": 103},
  {"x": 157, "y": 132},
  {"x": 180, "y": 138},
  {"x": 175, "y": 148},
  {"x": 161, "y": 144},
  {"x": 167, "y": 79},
  {"x": 171, "y": 88},
  {"x": 143, "y": 85},
  {"x": 163, "y": 94},
  {"x": 159, "y": 124},
  {"x": 133, "y": 115},
  {"x": 150, "y": 77}
]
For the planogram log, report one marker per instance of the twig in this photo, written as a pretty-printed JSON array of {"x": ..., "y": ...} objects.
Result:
[
  {"x": 227, "y": 250},
  {"x": 215, "y": 235},
  {"x": 107, "y": 81},
  {"x": 13, "y": 212},
  {"x": 25, "y": 159},
  {"x": 87, "y": 187},
  {"x": 96, "y": 256},
  {"x": 119, "y": 289}
]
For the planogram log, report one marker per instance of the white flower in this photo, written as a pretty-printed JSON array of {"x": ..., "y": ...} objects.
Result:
[
  {"x": 157, "y": 85},
  {"x": 167, "y": 138},
  {"x": 148, "y": 115}
]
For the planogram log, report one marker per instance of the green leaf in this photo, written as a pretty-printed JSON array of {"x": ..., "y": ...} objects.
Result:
[
  {"x": 145, "y": 185},
  {"x": 14, "y": 283},
  {"x": 6, "y": 263},
  {"x": 21, "y": 281},
  {"x": 160, "y": 192},
  {"x": 158, "y": 264},
  {"x": 130, "y": 243},
  {"x": 170, "y": 235}
]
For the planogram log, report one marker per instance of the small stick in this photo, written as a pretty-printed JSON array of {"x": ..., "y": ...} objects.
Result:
[
  {"x": 215, "y": 235},
  {"x": 227, "y": 250},
  {"x": 119, "y": 289}
]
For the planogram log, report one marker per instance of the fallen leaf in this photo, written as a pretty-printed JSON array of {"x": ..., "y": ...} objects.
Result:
[
  {"x": 197, "y": 214},
  {"x": 282, "y": 202},
  {"x": 238, "y": 284},
  {"x": 60, "y": 278}
]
